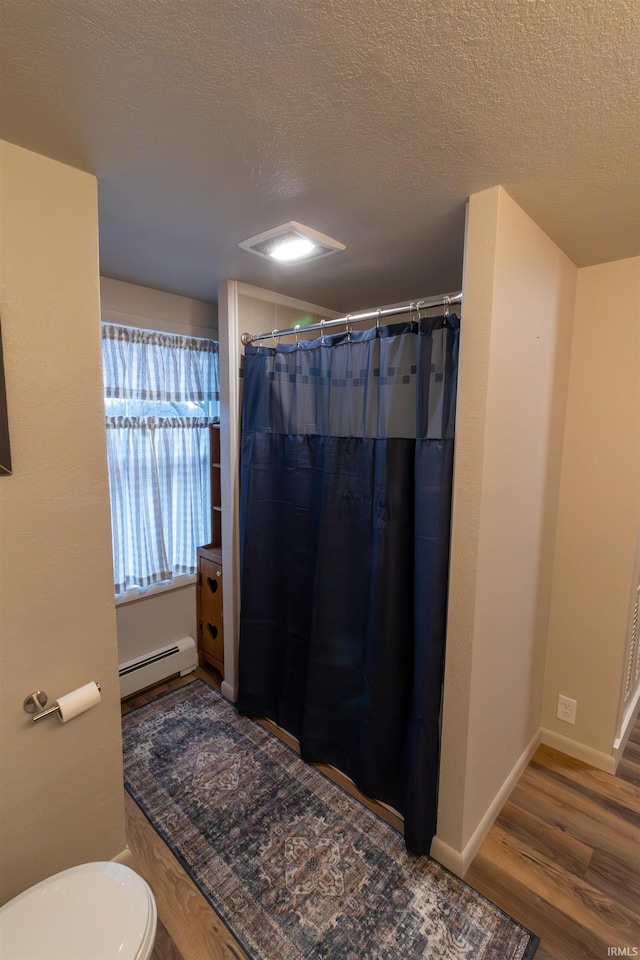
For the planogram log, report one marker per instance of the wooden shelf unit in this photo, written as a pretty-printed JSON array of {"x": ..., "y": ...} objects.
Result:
[
  {"x": 214, "y": 471},
  {"x": 209, "y": 588}
]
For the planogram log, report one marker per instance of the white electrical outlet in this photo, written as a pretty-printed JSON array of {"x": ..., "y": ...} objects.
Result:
[{"x": 566, "y": 709}]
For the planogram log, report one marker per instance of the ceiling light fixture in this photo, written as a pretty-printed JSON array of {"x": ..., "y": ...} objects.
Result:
[
  {"x": 292, "y": 242},
  {"x": 296, "y": 249}
]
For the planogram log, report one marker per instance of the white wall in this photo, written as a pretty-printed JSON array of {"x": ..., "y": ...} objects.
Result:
[
  {"x": 61, "y": 800},
  {"x": 599, "y": 509},
  {"x": 519, "y": 291},
  {"x": 153, "y": 619}
]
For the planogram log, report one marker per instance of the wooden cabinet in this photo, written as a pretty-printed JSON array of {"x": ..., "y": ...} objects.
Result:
[{"x": 209, "y": 599}]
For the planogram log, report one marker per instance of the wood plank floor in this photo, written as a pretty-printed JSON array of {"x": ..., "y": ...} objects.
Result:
[{"x": 563, "y": 858}]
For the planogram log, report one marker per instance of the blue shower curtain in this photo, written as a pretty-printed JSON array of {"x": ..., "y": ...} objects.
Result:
[{"x": 346, "y": 470}]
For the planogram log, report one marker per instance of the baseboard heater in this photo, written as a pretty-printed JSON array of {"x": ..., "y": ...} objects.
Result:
[{"x": 179, "y": 657}]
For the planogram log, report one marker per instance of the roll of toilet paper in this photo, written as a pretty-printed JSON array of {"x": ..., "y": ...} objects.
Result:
[{"x": 76, "y": 702}]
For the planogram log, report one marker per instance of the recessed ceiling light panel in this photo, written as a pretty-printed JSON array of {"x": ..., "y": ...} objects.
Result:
[{"x": 291, "y": 243}]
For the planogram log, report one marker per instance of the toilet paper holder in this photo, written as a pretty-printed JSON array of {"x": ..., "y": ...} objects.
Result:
[{"x": 37, "y": 701}]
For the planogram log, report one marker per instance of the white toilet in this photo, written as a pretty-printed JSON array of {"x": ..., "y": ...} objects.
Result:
[{"x": 95, "y": 911}]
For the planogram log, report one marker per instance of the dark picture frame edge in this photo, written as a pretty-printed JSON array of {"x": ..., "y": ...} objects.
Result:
[{"x": 5, "y": 446}]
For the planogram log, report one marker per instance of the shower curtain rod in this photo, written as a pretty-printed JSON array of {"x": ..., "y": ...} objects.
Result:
[{"x": 444, "y": 300}]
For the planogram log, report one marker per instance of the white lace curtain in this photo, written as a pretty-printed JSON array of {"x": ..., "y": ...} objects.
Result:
[{"x": 161, "y": 394}]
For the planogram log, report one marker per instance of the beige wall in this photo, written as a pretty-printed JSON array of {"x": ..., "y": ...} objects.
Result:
[
  {"x": 61, "y": 792},
  {"x": 599, "y": 506},
  {"x": 156, "y": 619},
  {"x": 136, "y": 306},
  {"x": 519, "y": 291}
]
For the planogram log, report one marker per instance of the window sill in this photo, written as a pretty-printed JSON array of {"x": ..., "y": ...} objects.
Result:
[{"x": 143, "y": 593}]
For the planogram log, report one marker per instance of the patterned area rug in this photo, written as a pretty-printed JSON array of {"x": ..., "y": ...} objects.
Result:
[{"x": 295, "y": 866}]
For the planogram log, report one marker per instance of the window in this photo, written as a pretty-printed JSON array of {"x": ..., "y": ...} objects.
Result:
[{"x": 161, "y": 395}]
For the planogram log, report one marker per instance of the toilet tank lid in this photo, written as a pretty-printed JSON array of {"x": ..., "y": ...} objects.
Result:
[{"x": 94, "y": 911}]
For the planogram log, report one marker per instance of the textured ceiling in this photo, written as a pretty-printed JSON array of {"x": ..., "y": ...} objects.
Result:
[{"x": 207, "y": 121}]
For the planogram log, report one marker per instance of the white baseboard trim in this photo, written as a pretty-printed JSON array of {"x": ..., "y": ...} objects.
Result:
[
  {"x": 228, "y": 691},
  {"x": 580, "y": 751},
  {"x": 459, "y": 861},
  {"x": 451, "y": 859},
  {"x": 628, "y": 721},
  {"x": 126, "y": 857}
]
